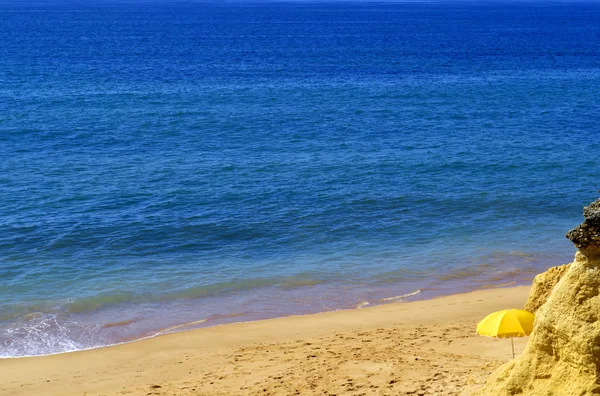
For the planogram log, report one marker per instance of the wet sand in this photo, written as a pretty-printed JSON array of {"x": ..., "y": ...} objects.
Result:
[{"x": 419, "y": 348}]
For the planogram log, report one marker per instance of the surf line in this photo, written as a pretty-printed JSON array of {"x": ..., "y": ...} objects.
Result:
[
  {"x": 180, "y": 326},
  {"x": 402, "y": 296}
]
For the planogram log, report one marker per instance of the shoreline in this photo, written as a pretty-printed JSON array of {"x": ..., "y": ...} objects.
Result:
[
  {"x": 419, "y": 294},
  {"x": 65, "y": 327},
  {"x": 66, "y": 373}
]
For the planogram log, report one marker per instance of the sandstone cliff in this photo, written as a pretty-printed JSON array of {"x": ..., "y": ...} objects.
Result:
[
  {"x": 563, "y": 354},
  {"x": 542, "y": 286}
]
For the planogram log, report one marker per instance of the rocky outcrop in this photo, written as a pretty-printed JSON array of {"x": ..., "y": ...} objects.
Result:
[
  {"x": 586, "y": 236},
  {"x": 562, "y": 356},
  {"x": 542, "y": 286}
]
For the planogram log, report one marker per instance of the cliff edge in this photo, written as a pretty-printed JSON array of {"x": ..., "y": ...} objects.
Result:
[
  {"x": 563, "y": 353},
  {"x": 542, "y": 286}
]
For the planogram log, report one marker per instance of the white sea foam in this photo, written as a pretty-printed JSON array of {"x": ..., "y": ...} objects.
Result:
[
  {"x": 45, "y": 334},
  {"x": 402, "y": 296}
]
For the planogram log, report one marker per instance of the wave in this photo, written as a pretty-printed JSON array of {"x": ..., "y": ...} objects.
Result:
[
  {"x": 414, "y": 293},
  {"x": 48, "y": 333},
  {"x": 297, "y": 283},
  {"x": 121, "y": 323},
  {"x": 101, "y": 301},
  {"x": 105, "y": 319}
]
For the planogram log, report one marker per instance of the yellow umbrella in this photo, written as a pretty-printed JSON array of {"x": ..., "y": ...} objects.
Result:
[{"x": 507, "y": 323}]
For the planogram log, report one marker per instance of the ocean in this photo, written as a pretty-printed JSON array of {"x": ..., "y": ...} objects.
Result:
[{"x": 166, "y": 166}]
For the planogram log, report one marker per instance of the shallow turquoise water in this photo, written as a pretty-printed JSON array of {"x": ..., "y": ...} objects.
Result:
[{"x": 164, "y": 164}]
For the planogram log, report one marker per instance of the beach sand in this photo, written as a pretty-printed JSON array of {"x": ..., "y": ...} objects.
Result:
[{"x": 418, "y": 348}]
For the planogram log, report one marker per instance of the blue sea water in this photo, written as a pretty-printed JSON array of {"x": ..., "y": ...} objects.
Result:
[{"x": 167, "y": 163}]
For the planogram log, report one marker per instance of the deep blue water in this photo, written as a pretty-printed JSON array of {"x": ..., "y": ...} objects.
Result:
[{"x": 168, "y": 163}]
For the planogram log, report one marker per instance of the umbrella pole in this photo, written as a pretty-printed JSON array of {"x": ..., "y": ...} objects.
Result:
[{"x": 512, "y": 344}]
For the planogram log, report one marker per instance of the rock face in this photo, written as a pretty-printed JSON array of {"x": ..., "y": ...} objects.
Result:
[
  {"x": 562, "y": 356},
  {"x": 542, "y": 286},
  {"x": 586, "y": 236}
]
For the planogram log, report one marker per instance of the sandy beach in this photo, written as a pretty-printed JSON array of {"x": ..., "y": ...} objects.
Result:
[{"x": 422, "y": 348}]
